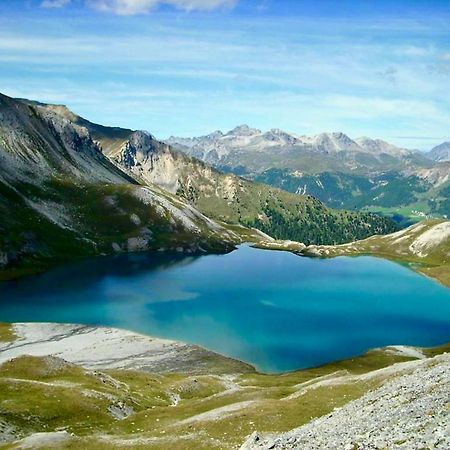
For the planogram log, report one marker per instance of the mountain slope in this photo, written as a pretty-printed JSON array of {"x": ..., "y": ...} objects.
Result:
[
  {"x": 409, "y": 410},
  {"x": 227, "y": 197},
  {"x": 440, "y": 152},
  {"x": 61, "y": 198},
  {"x": 363, "y": 174},
  {"x": 384, "y": 192}
]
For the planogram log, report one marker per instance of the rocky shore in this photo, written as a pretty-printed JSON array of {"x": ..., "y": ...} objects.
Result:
[{"x": 99, "y": 348}]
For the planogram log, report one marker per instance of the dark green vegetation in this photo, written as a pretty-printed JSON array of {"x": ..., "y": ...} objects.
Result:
[
  {"x": 314, "y": 223},
  {"x": 441, "y": 205},
  {"x": 402, "y": 197},
  {"x": 341, "y": 190},
  {"x": 278, "y": 213},
  {"x": 178, "y": 411}
]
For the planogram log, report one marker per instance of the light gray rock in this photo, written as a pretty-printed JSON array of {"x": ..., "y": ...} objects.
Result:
[
  {"x": 120, "y": 410},
  {"x": 410, "y": 412},
  {"x": 440, "y": 152},
  {"x": 99, "y": 348}
]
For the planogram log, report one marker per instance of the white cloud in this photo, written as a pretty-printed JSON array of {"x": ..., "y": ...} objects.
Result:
[
  {"x": 54, "y": 3},
  {"x": 132, "y": 7}
]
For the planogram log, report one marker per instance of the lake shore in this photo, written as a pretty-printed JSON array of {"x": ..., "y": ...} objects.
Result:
[
  {"x": 100, "y": 348},
  {"x": 424, "y": 247},
  {"x": 142, "y": 392}
]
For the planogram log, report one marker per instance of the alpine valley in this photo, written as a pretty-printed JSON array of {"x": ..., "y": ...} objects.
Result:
[
  {"x": 72, "y": 188},
  {"x": 284, "y": 285},
  {"x": 215, "y": 292},
  {"x": 356, "y": 174}
]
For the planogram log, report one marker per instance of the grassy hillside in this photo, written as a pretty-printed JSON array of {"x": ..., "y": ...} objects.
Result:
[
  {"x": 137, "y": 410},
  {"x": 441, "y": 203},
  {"x": 405, "y": 198},
  {"x": 342, "y": 190}
]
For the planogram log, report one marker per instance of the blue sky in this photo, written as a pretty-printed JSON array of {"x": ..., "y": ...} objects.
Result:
[{"x": 188, "y": 67}]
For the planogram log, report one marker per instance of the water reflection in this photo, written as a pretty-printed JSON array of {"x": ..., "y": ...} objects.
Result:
[{"x": 85, "y": 274}]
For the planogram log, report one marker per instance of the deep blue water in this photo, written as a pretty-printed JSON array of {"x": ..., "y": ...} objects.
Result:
[{"x": 272, "y": 309}]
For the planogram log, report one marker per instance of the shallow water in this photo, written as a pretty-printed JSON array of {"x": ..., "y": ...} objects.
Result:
[{"x": 272, "y": 309}]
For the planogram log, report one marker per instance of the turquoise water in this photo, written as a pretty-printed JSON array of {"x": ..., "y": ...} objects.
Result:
[{"x": 272, "y": 309}]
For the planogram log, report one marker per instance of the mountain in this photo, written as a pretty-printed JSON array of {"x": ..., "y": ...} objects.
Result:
[
  {"x": 61, "y": 198},
  {"x": 440, "y": 152},
  {"x": 358, "y": 174},
  {"x": 378, "y": 146},
  {"x": 227, "y": 197},
  {"x": 71, "y": 188},
  {"x": 249, "y": 151}
]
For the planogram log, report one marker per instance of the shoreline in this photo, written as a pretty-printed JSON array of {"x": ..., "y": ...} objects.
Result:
[
  {"x": 102, "y": 387},
  {"x": 141, "y": 351},
  {"x": 413, "y": 265},
  {"x": 113, "y": 348},
  {"x": 390, "y": 247},
  {"x": 424, "y": 247}
]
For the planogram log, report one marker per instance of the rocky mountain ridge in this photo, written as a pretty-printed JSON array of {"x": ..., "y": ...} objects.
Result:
[
  {"x": 326, "y": 142},
  {"x": 230, "y": 149}
]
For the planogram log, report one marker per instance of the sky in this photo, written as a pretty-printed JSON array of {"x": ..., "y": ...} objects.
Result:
[{"x": 377, "y": 68}]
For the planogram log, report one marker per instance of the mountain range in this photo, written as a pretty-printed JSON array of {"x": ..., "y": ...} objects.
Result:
[
  {"x": 71, "y": 188},
  {"x": 359, "y": 174},
  {"x": 358, "y": 154}
]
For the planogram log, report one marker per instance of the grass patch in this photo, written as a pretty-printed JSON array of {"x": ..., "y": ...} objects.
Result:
[{"x": 7, "y": 333}]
